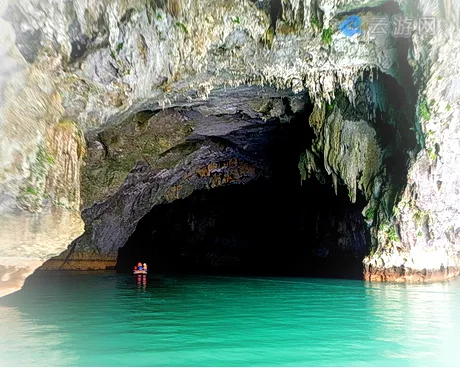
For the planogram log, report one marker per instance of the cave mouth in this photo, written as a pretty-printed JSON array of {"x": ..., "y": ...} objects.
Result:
[{"x": 271, "y": 226}]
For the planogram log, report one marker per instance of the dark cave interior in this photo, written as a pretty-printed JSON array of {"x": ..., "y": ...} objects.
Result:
[{"x": 275, "y": 226}]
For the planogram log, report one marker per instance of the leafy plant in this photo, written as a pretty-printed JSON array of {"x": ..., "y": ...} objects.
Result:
[
  {"x": 432, "y": 154},
  {"x": 182, "y": 26},
  {"x": 326, "y": 36},
  {"x": 424, "y": 111},
  {"x": 50, "y": 159},
  {"x": 314, "y": 21},
  {"x": 31, "y": 190},
  {"x": 392, "y": 234},
  {"x": 235, "y": 20},
  {"x": 370, "y": 213},
  {"x": 389, "y": 230}
]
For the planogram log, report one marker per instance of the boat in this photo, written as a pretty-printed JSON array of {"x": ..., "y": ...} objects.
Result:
[{"x": 140, "y": 272}]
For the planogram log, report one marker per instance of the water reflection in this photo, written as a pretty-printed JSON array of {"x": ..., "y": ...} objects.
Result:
[
  {"x": 103, "y": 319},
  {"x": 26, "y": 342},
  {"x": 142, "y": 282},
  {"x": 422, "y": 319}
]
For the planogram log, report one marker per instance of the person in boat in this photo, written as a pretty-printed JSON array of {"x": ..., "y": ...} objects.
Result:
[
  {"x": 144, "y": 266},
  {"x": 139, "y": 266}
]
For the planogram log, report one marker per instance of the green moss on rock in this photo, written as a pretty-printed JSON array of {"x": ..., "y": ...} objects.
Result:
[
  {"x": 326, "y": 36},
  {"x": 350, "y": 150},
  {"x": 32, "y": 193},
  {"x": 424, "y": 111},
  {"x": 369, "y": 214},
  {"x": 114, "y": 152}
]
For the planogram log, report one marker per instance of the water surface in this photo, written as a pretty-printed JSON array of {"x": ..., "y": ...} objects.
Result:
[{"x": 105, "y": 319}]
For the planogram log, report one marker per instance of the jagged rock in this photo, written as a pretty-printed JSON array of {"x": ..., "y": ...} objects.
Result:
[
  {"x": 427, "y": 215},
  {"x": 100, "y": 64}
]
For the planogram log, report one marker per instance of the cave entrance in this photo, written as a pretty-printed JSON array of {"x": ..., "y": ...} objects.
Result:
[
  {"x": 270, "y": 226},
  {"x": 251, "y": 229}
]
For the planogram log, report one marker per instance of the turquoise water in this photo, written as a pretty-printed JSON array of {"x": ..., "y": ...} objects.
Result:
[{"x": 105, "y": 319}]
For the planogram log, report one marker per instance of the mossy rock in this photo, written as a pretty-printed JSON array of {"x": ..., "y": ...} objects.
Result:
[{"x": 145, "y": 137}]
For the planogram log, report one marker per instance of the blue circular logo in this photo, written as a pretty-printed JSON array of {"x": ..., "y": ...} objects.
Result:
[{"x": 350, "y": 25}]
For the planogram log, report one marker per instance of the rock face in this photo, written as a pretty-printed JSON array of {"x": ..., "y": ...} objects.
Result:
[
  {"x": 89, "y": 89},
  {"x": 29, "y": 239},
  {"x": 423, "y": 243},
  {"x": 207, "y": 152}
]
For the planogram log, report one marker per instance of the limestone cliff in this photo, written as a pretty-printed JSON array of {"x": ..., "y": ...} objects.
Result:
[
  {"x": 422, "y": 240},
  {"x": 83, "y": 83}
]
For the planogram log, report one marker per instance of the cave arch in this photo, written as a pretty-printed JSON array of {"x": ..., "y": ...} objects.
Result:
[
  {"x": 276, "y": 141},
  {"x": 272, "y": 224}
]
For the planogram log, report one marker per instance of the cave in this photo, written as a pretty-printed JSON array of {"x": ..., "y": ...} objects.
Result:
[
  {"x": 275, "y": 224},
  {"x": 252, "y": 181},
  {"x": 165, "y": 108}
]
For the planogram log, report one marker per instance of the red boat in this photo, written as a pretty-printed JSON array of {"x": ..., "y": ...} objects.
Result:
[{"x": 140, "y": 272}]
